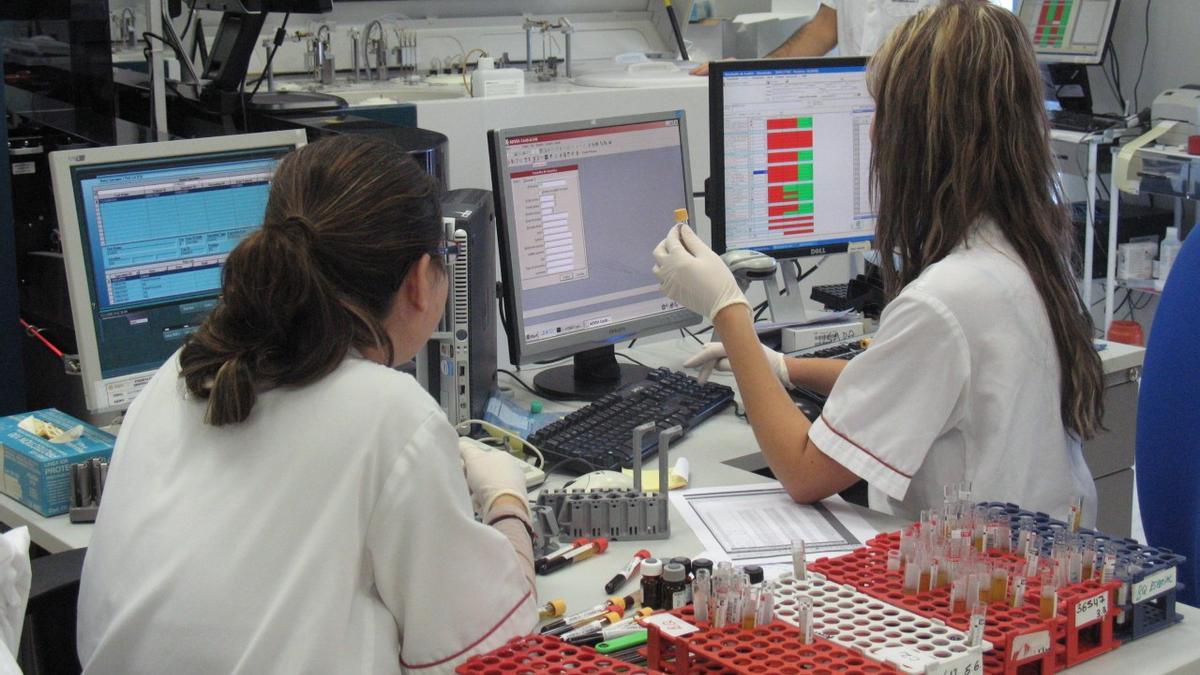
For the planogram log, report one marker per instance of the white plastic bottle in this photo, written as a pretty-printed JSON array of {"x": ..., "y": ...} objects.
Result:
[
  {"x": 488, "y": 80},
  {"x": 1167, "y": 250}
]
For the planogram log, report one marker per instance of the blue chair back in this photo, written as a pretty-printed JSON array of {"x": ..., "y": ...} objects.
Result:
[{"x": 1168, "y": 424}]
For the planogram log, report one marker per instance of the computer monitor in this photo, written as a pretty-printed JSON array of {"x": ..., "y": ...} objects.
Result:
[
  {"x": 791, "y": 154},
  {"x": 1069, "y": 31},
  {"x": 145, "y": 232},
  {"x": 579, "y": 209}
]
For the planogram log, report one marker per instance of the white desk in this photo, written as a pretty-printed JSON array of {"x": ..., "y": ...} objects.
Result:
[
  {"x": 718, "y": 440},
  {"x": 726, "y": 437}
]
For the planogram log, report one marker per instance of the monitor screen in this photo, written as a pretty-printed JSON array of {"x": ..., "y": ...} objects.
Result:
[
  {"x": 1069, "y": 31},
  {"x": 791, "y": 156},
  {"x": 147, "y": 243},
  {"x": 580, "y": 208}
]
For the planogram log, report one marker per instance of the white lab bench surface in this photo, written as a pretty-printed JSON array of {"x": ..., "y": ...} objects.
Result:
[{"x": 708, "y": 447}]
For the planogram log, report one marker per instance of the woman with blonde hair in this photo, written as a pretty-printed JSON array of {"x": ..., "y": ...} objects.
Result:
[{"x": 982, "y": 368}]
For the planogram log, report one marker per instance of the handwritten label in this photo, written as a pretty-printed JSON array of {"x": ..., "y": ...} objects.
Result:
[
  {"x": 1153, "y": 585},
  {"x": 1029, "y": 645},
  {"x": 970, "y": 663},
  {"x": 1091, "y": 610},
  {"x": 671, "y": 625},
  {"x": 906, "y": 659}
]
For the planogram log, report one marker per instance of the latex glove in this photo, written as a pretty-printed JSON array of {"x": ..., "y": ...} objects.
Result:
[
  {"x": 490, "y": 474},
  {"x": 692, "y": 275},
  {"x": 713, "y": 356}
]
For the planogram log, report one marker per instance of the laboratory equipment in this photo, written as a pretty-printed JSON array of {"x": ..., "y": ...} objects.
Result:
[
  {"x": 146, "y": 229},
  {"x": 237, "y": 33},
  {"x": 580, "y": 207},
  {"x": 791, "y": 153},
  {"x": 597, "y": 435},
  {"x": 1069, "y": 31}
]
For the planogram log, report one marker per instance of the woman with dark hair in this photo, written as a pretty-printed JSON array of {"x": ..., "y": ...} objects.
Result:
[
  {"x": 982, "y": 368},
  {"x": 280, "y": 498}
]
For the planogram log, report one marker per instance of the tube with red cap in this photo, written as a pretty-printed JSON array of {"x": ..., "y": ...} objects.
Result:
[
  {"x": 596, "y": 547},
  {"x": 627, "y": 572}
]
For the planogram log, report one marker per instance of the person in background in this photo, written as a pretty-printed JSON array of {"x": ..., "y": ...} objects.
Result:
[
  {"x": 855, "y": 27},
  {"x": 281, "y": 499},
  {"x": 982, "y": 368}
]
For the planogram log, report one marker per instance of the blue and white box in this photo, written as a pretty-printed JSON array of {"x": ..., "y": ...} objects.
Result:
[{"x": 39, "y": 448}]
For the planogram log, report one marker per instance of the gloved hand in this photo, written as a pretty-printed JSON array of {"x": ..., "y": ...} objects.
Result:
[
  {"x": 490, "y": 474},
  {"x": 692, "y": 275},
  {"x": 713, "y": 355}
]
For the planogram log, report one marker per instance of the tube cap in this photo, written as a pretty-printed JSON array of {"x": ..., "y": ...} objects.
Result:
[
  {"x": 754, "y": 572},
  {"x": 652, "y": 567},
  {"x": 613, "y": 617},
  {"x": 681, "y": 215},
  {"x": 559, "y": 606},
  {"x": 673, "y": 572},
  {"x": 601, "y": 544},
  {"x": 702, "y": 564}
]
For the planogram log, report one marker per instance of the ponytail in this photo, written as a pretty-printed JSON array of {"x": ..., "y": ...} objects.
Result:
[{"x": 346, "y": 219}]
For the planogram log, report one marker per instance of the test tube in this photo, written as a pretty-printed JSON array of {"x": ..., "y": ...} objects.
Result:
[
  {"x": 1016, "y": 597},
  {"x": 1075, "y": 519},
  {"x": 1110, "y": 567},
  {"x": 1123, "y": 575},
  {"x": 893, "y": 560},
  {"x": 799, "y": 562},
  {"x": 749, "y": 607},
  {"x": 912, "y": 575},
  {"x": 766, "y": 605},
  {"x": 1033, "y": 557},
  {"x": 701, "y": 589},
  {"x": 804, "y": 618},
  {"x": 999, "y": 584},
  {"x": 978, "y": 622},
  {"x": 958, "y": 594},
  {"x": 964, "y": 492},
  {"x": 1049, "y": 595},
  {"x": 973, "y": 590}
]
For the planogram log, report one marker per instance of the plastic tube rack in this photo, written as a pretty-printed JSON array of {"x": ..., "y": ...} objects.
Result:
[{"x": 618, "y": 514}]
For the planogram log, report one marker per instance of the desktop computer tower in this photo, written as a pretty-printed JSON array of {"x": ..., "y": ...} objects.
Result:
[{"x": 458, "y": 365}]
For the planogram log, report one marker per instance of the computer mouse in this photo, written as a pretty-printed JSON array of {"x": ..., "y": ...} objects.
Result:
[
  {"x": 750, "y": 264},
  {"x": 602, "y": 480}
]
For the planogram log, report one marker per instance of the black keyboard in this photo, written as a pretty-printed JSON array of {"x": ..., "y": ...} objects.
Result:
[
  {"x": 599, "y": 436},
  {"x": 847, "y": 349},
  {"x": 1067, "y": 120}
]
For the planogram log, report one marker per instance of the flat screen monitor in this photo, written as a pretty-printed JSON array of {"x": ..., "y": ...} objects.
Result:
[
  {"x": 791, "y": 156},
  {"x": 1069, "y": 31},
  {"x": 580, "y": 207},
  {"x": 145, "y": 230}
]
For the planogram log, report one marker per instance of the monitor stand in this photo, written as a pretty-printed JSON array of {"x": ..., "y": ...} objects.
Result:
[
  {"x": 592, "y": 374},
  {"x": 785, "y": 308}
]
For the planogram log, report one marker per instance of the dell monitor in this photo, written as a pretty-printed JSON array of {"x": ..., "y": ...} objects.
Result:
[
  {"x": 579, "y": 209},
  {"x": 145, "y": 231},
  {"x": 1069, "y": 31},
  {"x": 791, "y": 156}
]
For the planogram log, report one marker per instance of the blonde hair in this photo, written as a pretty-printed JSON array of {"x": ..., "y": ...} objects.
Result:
[{"x": 961, "y": 135}]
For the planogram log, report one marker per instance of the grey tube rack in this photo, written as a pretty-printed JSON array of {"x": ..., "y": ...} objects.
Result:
[{"x": 628, "y": 515}]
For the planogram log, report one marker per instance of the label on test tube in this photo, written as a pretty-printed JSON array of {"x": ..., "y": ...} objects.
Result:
[
  {"x": 970, "y": 663},
  {"x": 804, "y": 618},
  {"x": 799, "y": 563}
]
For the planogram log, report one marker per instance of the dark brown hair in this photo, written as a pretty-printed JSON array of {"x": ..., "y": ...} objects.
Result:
[
  {"x": 961, "y": 135},
  {"x": 346, "y": 219}
]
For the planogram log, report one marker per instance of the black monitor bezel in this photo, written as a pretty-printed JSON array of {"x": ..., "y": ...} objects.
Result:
[
  {"x": 607, "y": 336},
  {"x": 715, "y": 194}
]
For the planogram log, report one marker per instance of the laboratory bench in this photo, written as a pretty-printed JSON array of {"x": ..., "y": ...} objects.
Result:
[{"x": 722, "y": 452}]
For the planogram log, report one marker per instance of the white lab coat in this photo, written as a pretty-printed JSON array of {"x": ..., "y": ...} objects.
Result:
[
  {"x": 863, "y": 24},
  {"x": 960, "y": 383},
  {"x": 332, "y": 532}
]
